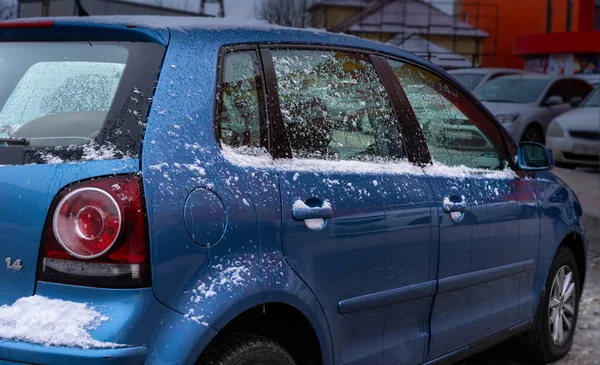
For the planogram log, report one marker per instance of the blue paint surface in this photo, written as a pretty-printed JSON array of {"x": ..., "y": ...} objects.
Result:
[{"x": 379, "y": 283}]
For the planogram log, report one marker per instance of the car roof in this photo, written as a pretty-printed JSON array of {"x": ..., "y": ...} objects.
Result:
[{"x": 231, "y": 30}]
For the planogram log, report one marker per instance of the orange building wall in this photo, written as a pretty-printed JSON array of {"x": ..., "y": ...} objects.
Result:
[{"x": 506, "y": 20}]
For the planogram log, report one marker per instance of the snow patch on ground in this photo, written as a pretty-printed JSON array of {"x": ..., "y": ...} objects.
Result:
[{"x": 52, "y": 322}]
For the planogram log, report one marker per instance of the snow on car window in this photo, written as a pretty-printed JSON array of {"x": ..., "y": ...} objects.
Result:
[
  {"x": 334, "y": 107},
  {"x": 453, "y": 139},
  {"x": 49, "y": 88},
  {"x": 61, "y": 99},
  {"x": 239, "y": 124}
]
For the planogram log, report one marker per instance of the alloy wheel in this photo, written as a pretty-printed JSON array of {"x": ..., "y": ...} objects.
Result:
[{"x": 561, "y": 310}]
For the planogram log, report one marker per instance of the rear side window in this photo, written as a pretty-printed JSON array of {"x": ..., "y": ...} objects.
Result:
[
  {"x": 334, "y": 107},
  {"x": 75, "y": 100},
  {"x": 560, "y": 88},
  {"x": 241, "y": 104},
  {"x": 580, "y": 88}
]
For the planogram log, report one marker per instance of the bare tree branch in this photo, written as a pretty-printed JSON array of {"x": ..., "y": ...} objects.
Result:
[
  {"x": 8, "y": 9},
  {"x": 291, "y": 13}
]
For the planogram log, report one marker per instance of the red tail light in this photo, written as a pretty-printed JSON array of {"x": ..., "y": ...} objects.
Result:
[{"x": 97, "y": 235}]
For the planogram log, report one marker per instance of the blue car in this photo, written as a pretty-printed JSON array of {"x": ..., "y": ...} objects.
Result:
[{"x": 187, "y": 191}]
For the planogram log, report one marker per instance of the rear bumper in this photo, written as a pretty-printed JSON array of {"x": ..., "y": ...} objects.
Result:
[
  {"x": 25, "y": 353},
  {"x": 149, "y": 332}
]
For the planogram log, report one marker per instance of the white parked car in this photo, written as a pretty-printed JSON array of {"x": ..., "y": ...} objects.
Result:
[
  {"x": 527, "y": 103},
  {"x": 472, "y": 78},
  {"x": 574, "y": 137},
  {"x": 593, "y": 79}
]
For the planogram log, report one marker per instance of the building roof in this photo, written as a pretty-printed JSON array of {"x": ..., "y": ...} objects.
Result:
[
  {"x": 430, "y": 51},
  {"x": 406, "y": 16},
  {"x": 344, "y": 3}
]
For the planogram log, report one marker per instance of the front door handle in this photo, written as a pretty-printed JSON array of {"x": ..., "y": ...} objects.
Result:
[
  {"x": 301, "y": 211},
  {"x": 455, "y": 203}
]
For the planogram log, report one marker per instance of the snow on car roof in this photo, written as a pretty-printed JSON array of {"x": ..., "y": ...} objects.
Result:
[{"x": 174, "y": 22}]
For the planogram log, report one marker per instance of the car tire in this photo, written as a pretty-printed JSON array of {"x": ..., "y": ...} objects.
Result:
[
  {"x": 533, "y": 133},
  {"x": 245, "y": 349},
  {"x": 547, "y": 347}
]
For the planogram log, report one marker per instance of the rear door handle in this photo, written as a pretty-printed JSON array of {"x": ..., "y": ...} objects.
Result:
[
  {"x": 303, "y": 213},
  {"x": 455, "y": 203}
]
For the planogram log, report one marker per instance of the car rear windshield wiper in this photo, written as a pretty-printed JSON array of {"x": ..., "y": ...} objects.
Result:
[{"x": 12, "y": 141}]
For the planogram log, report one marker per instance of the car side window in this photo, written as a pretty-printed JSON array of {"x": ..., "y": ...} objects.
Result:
[
  {"x": 241, "y": 104},
  {"x": 334, "y": 106},
  {"x": 451, "y": 131},
  {"x": 580, "y": 88},
  {"x": 559, "y": 88}
]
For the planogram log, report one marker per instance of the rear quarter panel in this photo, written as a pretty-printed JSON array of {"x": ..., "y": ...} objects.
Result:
[{"x": 210, "y": 286}]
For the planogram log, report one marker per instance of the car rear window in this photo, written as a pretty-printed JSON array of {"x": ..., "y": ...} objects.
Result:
[{"x": 75, "y": 100}]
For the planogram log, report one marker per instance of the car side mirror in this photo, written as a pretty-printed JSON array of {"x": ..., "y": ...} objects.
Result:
[
  {"x": 575, "y": 101},
  {"x": 533, "y": 156},
  {"x": 554, "y": 100}
]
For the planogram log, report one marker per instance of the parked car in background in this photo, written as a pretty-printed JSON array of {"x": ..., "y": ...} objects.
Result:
[
  {"x": 472, "y": 78},
  {"x": 200, "y": 191},
  {"x": 593, "y": 79},
  {"x": 574, "y": 137},
  {"x": 525, "y": 104}
]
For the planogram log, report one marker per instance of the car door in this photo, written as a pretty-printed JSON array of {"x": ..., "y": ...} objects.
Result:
[
  {"x": 483, "y": 250},
  {"x": 343, "y": 138}
]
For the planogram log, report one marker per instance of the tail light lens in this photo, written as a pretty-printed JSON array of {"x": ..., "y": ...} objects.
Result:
[{"x": 96, "y": 235}]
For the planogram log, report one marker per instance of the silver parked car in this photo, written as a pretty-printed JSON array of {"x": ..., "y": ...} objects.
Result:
[
  {"x": 526, "y": 104},
  {"x": 472, "y": 78},
  {"x": 574, "y": 137}
]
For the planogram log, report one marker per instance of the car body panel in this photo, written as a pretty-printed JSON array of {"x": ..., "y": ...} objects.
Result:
[
  {"x": 30, "y": 190},
  {"x": 580, "y": 143},
  {"x": 483, "y": 259},
  {"x": 560, "y": 214},
  {"x": 411, "y": 257},
  {"x": 172, "y": 322}
]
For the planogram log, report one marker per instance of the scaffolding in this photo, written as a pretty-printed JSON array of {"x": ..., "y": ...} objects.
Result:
[{"x": 459, "y": 37}]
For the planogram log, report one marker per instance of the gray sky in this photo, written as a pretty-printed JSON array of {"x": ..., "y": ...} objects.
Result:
[{"x": 245, "y": 8}]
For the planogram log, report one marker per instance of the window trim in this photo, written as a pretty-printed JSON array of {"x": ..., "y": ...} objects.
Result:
[
  {"x": 409, "y": 128},
  {"x": 218, "y": 105}
]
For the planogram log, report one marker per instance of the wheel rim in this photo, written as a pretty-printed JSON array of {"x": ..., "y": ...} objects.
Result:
[{"x": 561, "y": 310}]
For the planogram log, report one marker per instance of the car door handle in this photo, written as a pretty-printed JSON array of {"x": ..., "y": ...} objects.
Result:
[
  {"x": 324, "y": 212},
  {"x": 455, "y": 203}
]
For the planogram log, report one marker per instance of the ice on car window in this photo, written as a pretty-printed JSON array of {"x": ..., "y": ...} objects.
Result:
[
  {"x": 335, "y": 107},
  {"x": 49, "y": 88}
]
